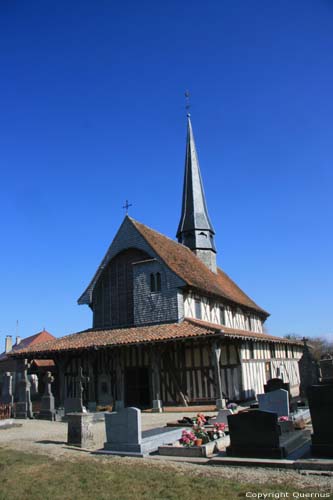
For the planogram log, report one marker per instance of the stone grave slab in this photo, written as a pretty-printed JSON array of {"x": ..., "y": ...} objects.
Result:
[
  {"x": 275, "y": 401},
  {"x": 320, "y": 399},
  {"x": 257, "y": 433},
  {"x": 124, "y": 435}
]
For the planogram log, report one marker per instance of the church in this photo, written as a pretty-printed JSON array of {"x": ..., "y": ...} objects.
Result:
[{"x": 169, "y": 326}]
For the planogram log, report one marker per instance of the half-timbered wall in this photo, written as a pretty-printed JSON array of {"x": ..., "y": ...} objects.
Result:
[
  {"x": 185, "y": 371},
  {"x": 213, "y": 311},
  {"x": 262, "y": 360}
]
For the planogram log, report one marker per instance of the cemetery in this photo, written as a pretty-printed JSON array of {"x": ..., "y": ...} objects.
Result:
[{"x": 274, "y": 431}]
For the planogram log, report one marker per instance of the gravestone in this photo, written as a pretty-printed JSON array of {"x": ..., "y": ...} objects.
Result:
[
  {"x": 275, "y": 401},
  {"x": 24, "y": 406},
  {"x": 47, "y": 409},
  {"x": 274, "y": 384},
  {"x": 7, "y": 389},
  {"x": 326, "y": 370},
  {"x": 308, "y": 369},
  {"x": 124, "y": 436},
  {"x": 80, "y": 430},
  {"x": 222, "y": 417},
  {"x": 257, "y": 433},
  {"x": 320, "y": 399},
  {"x": 75, "y": 404}
]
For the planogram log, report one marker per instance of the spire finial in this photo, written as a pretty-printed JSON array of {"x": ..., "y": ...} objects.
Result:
[{"x": 187, "y": 102}]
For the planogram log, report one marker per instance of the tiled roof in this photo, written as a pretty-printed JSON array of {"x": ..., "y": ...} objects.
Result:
[
  {"x": 43, "y": 363},
  {"x": 123, "y": 336},
  {"x": 182, "y": 261},
  {"x": 38, "y": 338},
  {"x": 187, "y": 329},
  {"x": 243, "y": 334}
]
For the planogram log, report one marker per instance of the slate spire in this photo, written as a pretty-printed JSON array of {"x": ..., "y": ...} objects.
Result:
[{"x": 195, "y": 229}]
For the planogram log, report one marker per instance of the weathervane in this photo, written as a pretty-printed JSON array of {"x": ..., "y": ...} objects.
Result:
[
  {"x": 187, "y": 101},
  {"x": 126, "y": 206}
]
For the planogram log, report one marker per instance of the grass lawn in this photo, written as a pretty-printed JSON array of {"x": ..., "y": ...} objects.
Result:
[{"x": 27, "y": 476}]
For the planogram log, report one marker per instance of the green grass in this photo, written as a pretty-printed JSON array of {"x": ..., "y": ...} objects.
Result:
[{"x": 27, "y": 476}]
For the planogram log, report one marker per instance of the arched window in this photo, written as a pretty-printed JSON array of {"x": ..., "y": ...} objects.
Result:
[
  {"x": 158, "y": 282},
  {"x": 152, "y": 282}
]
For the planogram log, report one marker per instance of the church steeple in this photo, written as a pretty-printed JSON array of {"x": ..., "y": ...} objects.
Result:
[{"x": 195, "y": 229}]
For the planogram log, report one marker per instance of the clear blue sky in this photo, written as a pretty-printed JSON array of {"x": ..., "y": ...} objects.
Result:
[{"x": 92, "y": 113}]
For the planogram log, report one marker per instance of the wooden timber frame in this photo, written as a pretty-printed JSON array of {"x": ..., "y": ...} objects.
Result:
[{"x": 176, "y": 373}]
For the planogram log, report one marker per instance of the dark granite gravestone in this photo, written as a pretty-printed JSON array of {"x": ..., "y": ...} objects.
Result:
[
  {"x": 256, "y": 433},
  {"x": 47, "y": 408},
  {"x": 320, "y": 399},
  {"x": 276, "y": 383},
  {"x": 24, "y": 406},
  {"x": 326, "y": 370},
  {"x": 7, "y": 389}
]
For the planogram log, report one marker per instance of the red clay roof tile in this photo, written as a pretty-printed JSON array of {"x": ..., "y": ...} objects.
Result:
[
  {"x": 182, "y": 261},
  {"x": 187, "y": 329}
]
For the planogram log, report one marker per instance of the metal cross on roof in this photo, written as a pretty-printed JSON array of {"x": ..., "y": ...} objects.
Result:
[{"x": 126, "y": 206}]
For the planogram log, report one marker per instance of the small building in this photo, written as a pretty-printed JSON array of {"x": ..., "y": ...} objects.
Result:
[
  {"x": 9, "y": 364},
  {"x": 169, "y": 326}
]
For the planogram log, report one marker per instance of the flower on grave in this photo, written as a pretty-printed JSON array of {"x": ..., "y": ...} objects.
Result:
[
  {"x": 200, "y": 433},
  {"x": 283, "y": 419},
  {"x": 232, "y": 406},
  {"x": 218, "y": 430},
  {"x": 187, "y": 438},
  {"x": 200, "y": 420}
]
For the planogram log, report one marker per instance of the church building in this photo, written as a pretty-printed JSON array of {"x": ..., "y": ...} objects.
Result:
[{"x": 169, "y": 326}]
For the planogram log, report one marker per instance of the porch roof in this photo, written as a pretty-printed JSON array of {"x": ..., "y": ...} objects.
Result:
[{"x": 95, "y": 339}]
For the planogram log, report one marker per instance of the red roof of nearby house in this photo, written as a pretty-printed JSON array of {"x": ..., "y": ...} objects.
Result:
[
  {"x": 187, "y": 329},
  {"x": 33, "y": 340}
]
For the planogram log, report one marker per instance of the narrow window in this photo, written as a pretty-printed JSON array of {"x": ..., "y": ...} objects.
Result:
[
  {"x": 152, "y": 282},
  {"x": 251, "y": 348},
  {"x": 197, "y": 309},
  {"x": 158, "y": 282},
  {"x": 286, "y": 351},
  {"x": 222, "y": 315},
  {"x": 273, "y": 351}
]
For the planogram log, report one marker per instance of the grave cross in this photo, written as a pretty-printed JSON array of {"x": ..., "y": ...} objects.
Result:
[
  {"x": 80, "y": 380},
  {"x": 48, "y": 379}
]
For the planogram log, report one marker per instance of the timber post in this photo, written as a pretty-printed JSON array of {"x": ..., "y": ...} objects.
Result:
[
  {"x": 220, "y": 401},
  {"x": 156, "y": 379}
]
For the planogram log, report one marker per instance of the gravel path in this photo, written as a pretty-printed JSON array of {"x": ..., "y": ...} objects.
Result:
[{"x": 49, "y": 438}]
